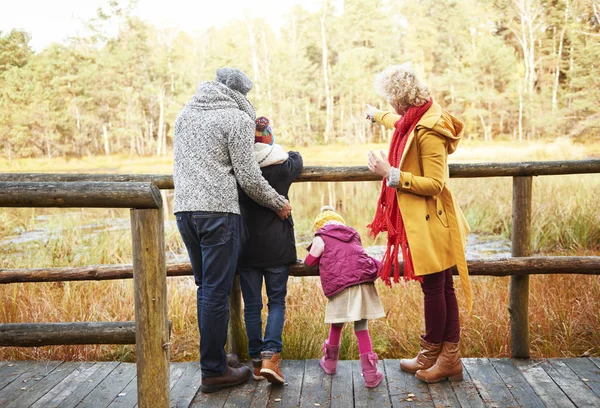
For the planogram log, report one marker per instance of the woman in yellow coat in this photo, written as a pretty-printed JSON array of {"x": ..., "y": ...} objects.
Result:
[{"x": 421, "y": 217}]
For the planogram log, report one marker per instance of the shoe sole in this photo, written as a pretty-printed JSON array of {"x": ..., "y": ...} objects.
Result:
[
  {"x": 330, "y": 372},
  {"x": 272, "y": 376},
  {"x": 458, "y": 377},
  {"x": 207, "y": 389},
  {"x": 407, "y": 371},
  {"x": 258, "y": 377}
]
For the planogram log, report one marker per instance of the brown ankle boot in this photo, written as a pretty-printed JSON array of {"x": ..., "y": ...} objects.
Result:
[
  {"x": 270, "y": 368},
  {"x": 425, "y": 359},
  {"x": 447, "y": 366},
  {"x": 256, "y": 367}
]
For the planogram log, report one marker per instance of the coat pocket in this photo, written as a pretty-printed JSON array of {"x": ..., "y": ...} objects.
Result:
[{"x": 440, "y": 211}]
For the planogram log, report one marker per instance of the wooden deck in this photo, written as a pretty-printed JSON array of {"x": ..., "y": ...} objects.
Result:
[{"x": 572, "y": 382}]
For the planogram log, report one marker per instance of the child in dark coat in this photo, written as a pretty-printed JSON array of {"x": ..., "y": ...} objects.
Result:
[{"x": 269, "y": 249}]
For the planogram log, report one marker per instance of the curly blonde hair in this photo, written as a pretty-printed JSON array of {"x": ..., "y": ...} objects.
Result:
[{"x": 399, "y": 85}]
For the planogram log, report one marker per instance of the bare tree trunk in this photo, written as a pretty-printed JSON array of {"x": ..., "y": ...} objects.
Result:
[
  {"x": 105, "y": 138},
  {"x": 255, "y": 66},
  {"x": 558, "y": 60},
  {"x": 520, "y": 112},
  {"x": 267, "y": 65},
  {"x": 528, "y": 14},
  {"x": 161, "y": 120},
  {"x": 326, "y": 76},
  {"x": 571, "y": 72}
]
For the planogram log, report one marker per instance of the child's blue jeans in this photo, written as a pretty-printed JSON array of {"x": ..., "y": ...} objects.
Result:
[{"x": 251, "y": 280}]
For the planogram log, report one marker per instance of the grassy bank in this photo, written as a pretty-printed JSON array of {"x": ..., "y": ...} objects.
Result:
[{"x": 563, "y": 309}]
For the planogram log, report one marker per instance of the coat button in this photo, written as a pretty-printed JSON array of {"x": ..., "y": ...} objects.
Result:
[
  {"x": 406, "y": 184},
  {"x": 427, "y": 217},
  {"x": 440, "y": 212}
]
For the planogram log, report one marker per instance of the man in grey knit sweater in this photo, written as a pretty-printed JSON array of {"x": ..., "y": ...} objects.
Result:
[{"x": 213, "y": 149}]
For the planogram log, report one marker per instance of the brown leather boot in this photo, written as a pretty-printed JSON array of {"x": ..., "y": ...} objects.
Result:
[
  {"x": 270, "y": 368},
  {"x": 447, "y": 366},
  {"x": 233, "y": 361},
  {"x": 257, "y": 366},
  {"x": 230, "y": 378},
  {"x": 425, "y": 359}
]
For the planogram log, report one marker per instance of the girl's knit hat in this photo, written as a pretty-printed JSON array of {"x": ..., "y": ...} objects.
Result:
[
  {"x": 327, "y": 214},
  {"x": 263, "y": 133}
]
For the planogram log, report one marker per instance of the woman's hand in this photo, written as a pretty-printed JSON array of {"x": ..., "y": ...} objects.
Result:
[
  {"x": 379, "y": 166},
  {"x": 370, "y": 112}
]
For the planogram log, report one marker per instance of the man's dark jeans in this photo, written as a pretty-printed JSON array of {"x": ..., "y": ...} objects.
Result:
[{"x": 213, "y": 244}]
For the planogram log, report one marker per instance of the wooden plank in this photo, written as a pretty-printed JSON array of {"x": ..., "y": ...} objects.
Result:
[
  {"x": 587, "y": 371},
  {"x": 42, "y": 385},
  {"x": 542, "y": 384},
  {"x": 369, "y": 397},
  {"x": 543, "y": 265},
  {"x": 519, "y": 285},
  {"x": 466, "y": 392},
  {"x": 262, "y": 393},
  {"x": 242, "y": 395},
  {"x": 342, "y": 386},
  {"x": 316, "y": 386},
  {"x": 184, "y": 390},
  {"x": 28, "y": 375},
  {"x": 516, "y": 383},
  {"x": 44, "y": 334},
  {"x": 79, "y": 194},
  {"x": 150, "y": 296},
  {"x": 107, "y": 390},
  {"x": 127, "y": 398},
  {"x": 404, "y": 388},
  {"x": 63, "y": 389},
  {"x": 212, "y": 400},
  {"x": 596, "y": 361},
  {"x": 443, "y": 395},
  {"x": 12, "y": 370},
  {"x": 289, "y": 395},
  {"x": 492, "y": 389},
  {"x": 577, "y": 390},
  {"x": 177, "y": 370},
  {"x": 76, "y": 395}
]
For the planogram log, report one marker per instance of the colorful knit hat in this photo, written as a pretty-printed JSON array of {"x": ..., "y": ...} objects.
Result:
[
  {"x": 263, "y": 133},
  {"x": 327, "y": 214}
]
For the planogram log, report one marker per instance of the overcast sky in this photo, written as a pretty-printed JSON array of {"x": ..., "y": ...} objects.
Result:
[{"x": 54, "y": 20}]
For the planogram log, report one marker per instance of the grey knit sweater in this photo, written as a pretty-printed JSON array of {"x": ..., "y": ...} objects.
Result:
[{"x": 213, "y": 149}]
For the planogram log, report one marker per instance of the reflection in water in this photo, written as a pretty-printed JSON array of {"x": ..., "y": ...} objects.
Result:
[{"x": 354, "y": 200}]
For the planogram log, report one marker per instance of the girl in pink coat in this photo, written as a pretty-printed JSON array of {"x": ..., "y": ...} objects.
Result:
[{"x": 347, "y": 275}]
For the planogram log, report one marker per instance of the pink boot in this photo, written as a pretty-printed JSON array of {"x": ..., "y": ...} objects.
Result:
[
  {"x": 372, "y": 376},
  {"x": 330, "y": 358}
]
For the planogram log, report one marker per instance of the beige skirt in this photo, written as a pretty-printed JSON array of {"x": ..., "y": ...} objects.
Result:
[{"x": 354, "y": 303}]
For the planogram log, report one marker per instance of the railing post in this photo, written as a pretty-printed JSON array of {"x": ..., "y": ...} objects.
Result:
[
  {"x": 519, "y": 285},
  {"x": 235, "y": 340},
  {"x": 150, "y": 292}
]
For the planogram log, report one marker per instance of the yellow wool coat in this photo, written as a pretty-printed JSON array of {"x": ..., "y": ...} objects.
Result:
[{"x": 435, "y": 225}]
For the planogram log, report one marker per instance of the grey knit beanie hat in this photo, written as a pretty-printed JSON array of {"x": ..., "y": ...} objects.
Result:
[{"x": 234, "y": 79}]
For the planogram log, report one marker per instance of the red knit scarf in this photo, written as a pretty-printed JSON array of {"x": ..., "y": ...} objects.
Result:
[{"x": 388, "y": 217}]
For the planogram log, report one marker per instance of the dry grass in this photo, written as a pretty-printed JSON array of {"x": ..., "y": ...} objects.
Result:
[{"x": 564, "y": 310}]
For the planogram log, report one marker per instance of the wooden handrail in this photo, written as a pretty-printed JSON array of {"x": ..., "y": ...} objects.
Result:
[
  {"x": 140, "y": 195},
  {"x": 547, "y": 265},
  {"x": 341, "y": 174}
]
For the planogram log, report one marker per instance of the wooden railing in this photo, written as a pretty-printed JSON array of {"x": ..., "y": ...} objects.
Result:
[
  {"x": 148, "y": 270},
  {"x": 150, "y": 331}
]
